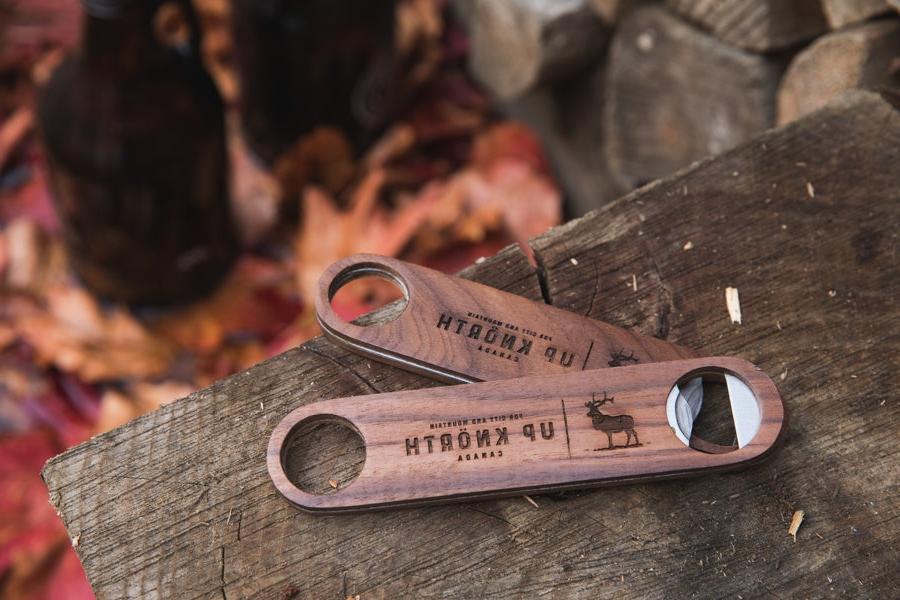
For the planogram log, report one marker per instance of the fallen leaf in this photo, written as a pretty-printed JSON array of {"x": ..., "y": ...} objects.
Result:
[
  {"x": 117, "y": 407},
  {"x": 396, "y": 142},
  {"x": 76, "y": 335},
  {"x": 34, "y": 546},
  {"x": 322, "y": 157},
  {"x": 329, "y": 233},
  {"x": 30, "y": 259},
  {"x": 30, "y": 200},
  {"x": 509, "y": 140},
  {"x": 13, "y": 130},
  {"x": 254, "y": 302}
]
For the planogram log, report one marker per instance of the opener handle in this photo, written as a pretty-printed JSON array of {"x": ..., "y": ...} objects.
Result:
[
  {"x": 532, "y": 435},
  {"x": 459, "y": 331}
]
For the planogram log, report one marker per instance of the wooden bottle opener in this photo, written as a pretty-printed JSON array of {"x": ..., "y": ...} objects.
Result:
[
  {"x": 533, "y": 435},
  {"x": 459, "y": 331}
]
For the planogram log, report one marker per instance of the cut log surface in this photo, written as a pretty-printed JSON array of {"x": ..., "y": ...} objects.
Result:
[
  {"x": 675, "y": 95},
  {"x": 801, "y": 220},
  {"x": 756, "y": 25},
  {"x": 516, "y": 45},
  {"x": 861, "y": 56},
  {"x": 841, "y": 13}
]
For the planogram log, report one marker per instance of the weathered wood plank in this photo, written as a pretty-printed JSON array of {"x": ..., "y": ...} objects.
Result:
[
  {"x": 516, "y": 45},
  {"x": 861, "y": 56},
  {"x": 818, "y": 280},
  {"x": 675, "y": 94},
  {"x": 756, "y": 25},
  {"x": 178, "y": 503}
]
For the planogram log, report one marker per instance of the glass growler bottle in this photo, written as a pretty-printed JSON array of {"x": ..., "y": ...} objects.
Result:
[
  {"x": 304, "y": 63},
  {"x": 134, "y": 137}
]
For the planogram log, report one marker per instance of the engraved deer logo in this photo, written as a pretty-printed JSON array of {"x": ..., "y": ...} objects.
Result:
[
  {"x": 610, "y": 424},
  {"x": 619, "y": 358}
]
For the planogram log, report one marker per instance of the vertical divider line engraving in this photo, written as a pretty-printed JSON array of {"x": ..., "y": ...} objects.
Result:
[
  {"x": 566, "y": 425},
  {"x": 587, "y": 356}
]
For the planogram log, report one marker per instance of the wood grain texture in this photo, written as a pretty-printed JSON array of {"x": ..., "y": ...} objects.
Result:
[
  {"x": 675, "y": 95},
  {"x": 861, "y": 56},
  {"x": 528, "y": 435},
  {"x": 756, "y": 25},
  {"x": 460, "y": 331},
  {"x": 178, "y": 503}
]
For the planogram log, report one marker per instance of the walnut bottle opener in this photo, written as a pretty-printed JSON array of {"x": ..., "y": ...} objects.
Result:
[
  {"x": 532, "y": 435},
  {"x": 459, "y": 331}
]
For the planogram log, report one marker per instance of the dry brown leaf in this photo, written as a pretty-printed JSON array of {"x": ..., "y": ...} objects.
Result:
[
  {"x": 13, "y": 130},
  {"x": 77, "y": 336},
  {"x": 329, "y": 234},
  {"x": 323, "y": 157},
  {"x": 29, "y": 258},
  {"x": 234, "y": 307},
  {"x": 7, "y": 335},
  {"x": 508, "y": 194},
  {"x": 118, "y": 407},
  {"x": 509, "y": 140},
  {"x": 229, "y": 359},
  {"x": 397, "y": 141},
  {"x": 417, "y": 21}
]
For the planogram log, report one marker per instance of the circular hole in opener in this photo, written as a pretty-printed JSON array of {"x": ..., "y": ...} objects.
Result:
[
  {"x": 323, "y": 454},
  {"x": 713, "y": 411},
  {"x": 366, "y": 294}
]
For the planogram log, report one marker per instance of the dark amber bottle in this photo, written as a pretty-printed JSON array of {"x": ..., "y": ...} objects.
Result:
[
  {"x": 134, "y": 136},
  {"x": 304, "y": 63}
]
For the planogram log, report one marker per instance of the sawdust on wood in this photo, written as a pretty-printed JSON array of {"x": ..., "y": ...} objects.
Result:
[
  {"x": 796, "y": 520},
  {"x": 733, "y": 302}
]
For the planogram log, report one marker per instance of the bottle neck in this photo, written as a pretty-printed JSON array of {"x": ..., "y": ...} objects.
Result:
[{"x": 119, "y": 40}]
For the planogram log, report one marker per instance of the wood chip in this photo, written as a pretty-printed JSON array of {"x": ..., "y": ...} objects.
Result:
[
  {"x": 733, "y": 302},
  {"x": 810, "y": 190},
  {"x": 531, "y": 502},
  {"x": 634, "y": 282},
  {"x": 795, "y": 523},
  {"x": 333, "y": 483}
]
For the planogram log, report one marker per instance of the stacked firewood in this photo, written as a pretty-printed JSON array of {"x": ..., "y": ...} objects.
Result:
[{"x": 626, "y": 91}]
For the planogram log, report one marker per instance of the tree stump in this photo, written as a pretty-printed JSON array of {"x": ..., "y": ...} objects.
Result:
[
  {"x": 178, "y": 503},
  {"x": 858, "y": 57},
  {"x": 675, "y": 94}
]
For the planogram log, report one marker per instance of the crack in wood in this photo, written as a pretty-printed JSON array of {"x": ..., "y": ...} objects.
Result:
[{"x": 343, "y": 366}]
